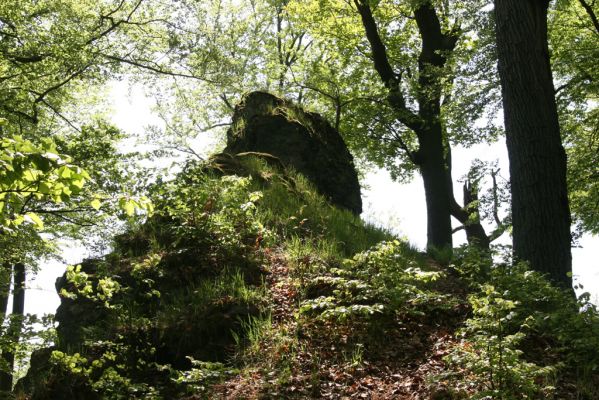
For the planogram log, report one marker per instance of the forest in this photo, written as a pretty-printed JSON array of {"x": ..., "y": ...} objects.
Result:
[{"x": 244, "y": 270}]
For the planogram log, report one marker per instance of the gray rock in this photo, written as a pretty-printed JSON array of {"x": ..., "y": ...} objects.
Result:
[{"x": 303, "y": 140}]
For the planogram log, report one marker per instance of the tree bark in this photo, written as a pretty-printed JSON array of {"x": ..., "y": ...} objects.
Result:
[
  {"x": 427, "y": 125},
  {"x": 469, "y": 215},
  {"x": 540, "y": 210},
  {"x": 15, "y": 326},
  {"x": 432, "y": 165},
  {"x": 5, "y": 278},
  {"x": 475, "y": 233}
]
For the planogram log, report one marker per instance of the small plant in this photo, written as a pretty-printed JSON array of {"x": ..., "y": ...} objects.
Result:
[
  {"x": 202, "y": 375},
  {"x": 526, "y": 337},
  {"x": 101, "y": 290},
  {"x": 384, "y": 279},
  {"x": 254, "y": 329},
  {"x": 490, "y": 352}
]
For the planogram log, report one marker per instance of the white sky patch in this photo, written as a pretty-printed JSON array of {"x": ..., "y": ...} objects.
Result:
[
  {"x": 41, "y": 296},
  {"x": 132, "y": 109}
]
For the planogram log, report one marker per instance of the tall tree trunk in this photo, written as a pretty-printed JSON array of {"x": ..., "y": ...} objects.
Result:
[
  {"x": 431, "y": 162},
  {"x": 5, "y": 281},
  {"x": 5, "y": 278},
  {"x": 15, "y": 326},
  {"x": 430, "y": 157},
  {"x": 540, "y": 210}
]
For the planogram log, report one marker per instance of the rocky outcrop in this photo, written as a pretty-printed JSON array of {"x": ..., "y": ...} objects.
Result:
[
  {"x": 303, "y": 140},
  {"x": 188, "y": 283}
]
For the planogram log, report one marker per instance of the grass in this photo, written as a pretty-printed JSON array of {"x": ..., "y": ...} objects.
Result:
[
  {"x": 292, "y": 206},
  {"x": 228, "y": 284},
  {"x": 344, "y": 308}
]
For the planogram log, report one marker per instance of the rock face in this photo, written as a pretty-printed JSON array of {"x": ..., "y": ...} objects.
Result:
[{"x": 303, "y": 140}]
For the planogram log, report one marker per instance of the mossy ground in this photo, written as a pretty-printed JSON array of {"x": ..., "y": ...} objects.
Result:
[{"x": 251, "y": 286}]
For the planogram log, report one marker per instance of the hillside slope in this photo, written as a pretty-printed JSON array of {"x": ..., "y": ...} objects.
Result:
[
  {"x": 247, "y": 283},
  {"x": 252, "y": 286}
]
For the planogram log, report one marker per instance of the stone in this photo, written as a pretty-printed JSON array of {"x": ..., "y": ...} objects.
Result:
[{"x": 300, "y": 139}]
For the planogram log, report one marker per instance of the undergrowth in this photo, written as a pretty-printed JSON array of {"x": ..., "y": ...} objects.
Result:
[
  {"x": 526, "y": 338},
  {"x": 253, "y": 286}
]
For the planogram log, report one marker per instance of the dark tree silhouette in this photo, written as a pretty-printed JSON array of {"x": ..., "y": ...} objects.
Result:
[{"x": 540, "y": 210}]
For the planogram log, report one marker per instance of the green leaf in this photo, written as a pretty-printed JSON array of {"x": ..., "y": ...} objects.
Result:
[
  {"x": 96, "y": 204},
  {"x": 34, "y": 218},
  {"x": 30, "y": 175},
  {"x": 130, "y": 208},
  {"x": 64, "y": 172},
  {"x": 18, "y": 220},
  {"x": 45, "y": 188},
  {"x": 78, "y": 183}
]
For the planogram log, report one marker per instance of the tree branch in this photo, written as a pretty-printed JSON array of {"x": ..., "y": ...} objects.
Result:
[
  {"x": 391, "y": 80},
  {"x": 225, "y": 100},
  {"x": 588, "y": 8},
  {"x": 459, "y": 228},
  {"x": 157, "y": 69},
  {"x": 114, "y": 25},
  {"x": 68, "y": 121},
  {"x": 42, "y": 95},
  {"x": 404, "y": 147},
  {"x": 495, "y": 197}
]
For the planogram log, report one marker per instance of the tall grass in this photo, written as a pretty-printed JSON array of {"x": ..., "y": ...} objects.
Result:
[{"x": 292, "y": 207}]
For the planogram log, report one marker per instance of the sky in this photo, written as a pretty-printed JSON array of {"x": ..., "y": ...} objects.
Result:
[{"x": 400, "y": 207}]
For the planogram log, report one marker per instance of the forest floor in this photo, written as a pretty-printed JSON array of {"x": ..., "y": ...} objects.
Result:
[{"x": 342, "y": 361}]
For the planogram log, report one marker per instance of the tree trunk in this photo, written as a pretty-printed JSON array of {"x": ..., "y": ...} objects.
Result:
[
  {"x": 431, "y": 156},
  {"x": 469, "y": 215},
  {"x": 15, "y": 326},
  {"x": 5, "y": 278},
  {"x": 475, "y": 233},
  {"x": 431, "y": 162},
  {"x": 540, "y": 210}
]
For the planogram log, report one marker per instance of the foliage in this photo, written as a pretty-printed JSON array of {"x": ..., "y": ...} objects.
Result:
[
  {"x": 34, "y": 173},
  {"x": 187, "y": 302},
  {"x": 196, "y": 271},
  {"x": 37, "y": 332},
  {"x": 470, "y": 84},
  {"x": 190, "y": 275},
  {"x": 572, "y": 38},
  {"x": 49, "y": 47},
  {"x": 525, "y": 337},
  {"x": 492, "y": 356},
  {"x": 233, "y": 47},
  {"x": 44, "y": 190},
  {"x": 203, "y": 374},
  {"x": 384, "y": 279}
]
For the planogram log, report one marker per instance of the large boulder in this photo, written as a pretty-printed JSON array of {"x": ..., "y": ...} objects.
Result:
[{"x": 303, "y": 140}]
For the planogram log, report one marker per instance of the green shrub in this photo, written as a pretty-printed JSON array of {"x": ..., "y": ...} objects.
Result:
[
  {"x": 527, "y": 338},
  {"x": 388, "y": 278}
]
